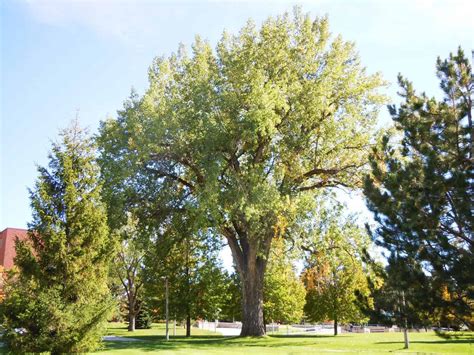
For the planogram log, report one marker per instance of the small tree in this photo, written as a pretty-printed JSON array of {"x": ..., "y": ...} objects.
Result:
[
  {"x": 143, "y": 317},
  {"x": 59, "y": 299},
  {"x": 283, "y": 292},
  {"x": 335, "y": 275},
  {"x": 128, "y": 268},
  {"x": 189, "y": 260},
  {"x": 232, "y": 308}
]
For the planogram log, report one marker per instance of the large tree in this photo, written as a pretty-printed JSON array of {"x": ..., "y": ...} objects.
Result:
[
  {"x": 60, "y": 299},
  {"x": 421, "y": 188},
  {"x": 249, "y": 133}
]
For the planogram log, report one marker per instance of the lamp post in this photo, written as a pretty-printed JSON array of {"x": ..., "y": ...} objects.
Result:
[
  {"x": 166, "y": 309},
  {"x": 405, "y": 329}
]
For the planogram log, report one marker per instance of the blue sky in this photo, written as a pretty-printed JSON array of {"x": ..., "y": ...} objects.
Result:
[{"x": 62, "y": 58}]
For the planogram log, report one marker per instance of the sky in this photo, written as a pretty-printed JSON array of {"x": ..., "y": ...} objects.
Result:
[{"x": 62, "y": 59}]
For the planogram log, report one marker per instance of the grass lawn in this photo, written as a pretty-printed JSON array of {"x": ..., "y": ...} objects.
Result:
[{"x": 205, "y": 342}]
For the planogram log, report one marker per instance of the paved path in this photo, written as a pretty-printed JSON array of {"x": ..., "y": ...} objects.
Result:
[
  {"x": 114, "y": 338},
  {"x": 229, "y": 332}
]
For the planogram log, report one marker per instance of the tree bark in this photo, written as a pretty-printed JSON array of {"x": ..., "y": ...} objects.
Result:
[
  {"x": 264, "y": 321},
  {"x": 132, "y": 311},
  {"x": 188, "y": 325},
  {"x": 335, "y": 326},
  {"x": 252, "y": 300},
  {"x": 131, "y": 321},
  {"x": 250, "y": 257}
]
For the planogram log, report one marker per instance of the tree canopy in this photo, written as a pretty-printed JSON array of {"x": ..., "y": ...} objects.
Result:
[{"x": 247, "y": 134}]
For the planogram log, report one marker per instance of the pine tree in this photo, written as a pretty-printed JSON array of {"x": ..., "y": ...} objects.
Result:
[
  {"x": 59, "y": 299},
  {"x": 422, "y": 188},
  {"x": 404, "y": 279}
]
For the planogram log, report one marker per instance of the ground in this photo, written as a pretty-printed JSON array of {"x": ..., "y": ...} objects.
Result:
[{"x": 205, "y": 342}]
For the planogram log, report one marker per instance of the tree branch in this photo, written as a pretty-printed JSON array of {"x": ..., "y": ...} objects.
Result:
[
  {"x": 229, "y": 233},
  {"x": 324, "y": 183},
  {"x": 161, "y": 173}
]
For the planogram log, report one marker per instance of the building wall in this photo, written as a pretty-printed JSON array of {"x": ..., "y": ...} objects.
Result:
[{"x": 7, "y": 245}]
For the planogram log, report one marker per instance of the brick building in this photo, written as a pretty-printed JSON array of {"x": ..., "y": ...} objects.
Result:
[
  {"x": 7, "y": 251},
  {"x": 7, "y": 245}
]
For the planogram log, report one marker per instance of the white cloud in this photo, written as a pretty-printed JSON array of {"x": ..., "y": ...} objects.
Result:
[
  {"x": 122, "y": 20},
  {"x": 134, "y": 21},
  {"x": 453, "y": 14}
]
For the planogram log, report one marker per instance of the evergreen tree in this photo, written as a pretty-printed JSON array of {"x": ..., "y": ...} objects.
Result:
[
  {"x": 59, "y": 299},
  {"x": 143, "y": 318},
  {"x": 422, "y": 188},
  {"x": 403, "y": 296}
]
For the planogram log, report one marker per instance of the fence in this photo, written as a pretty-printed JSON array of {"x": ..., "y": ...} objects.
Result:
[
  {"x": 233, "y": 328},
  {"x": 225, "y": 328}
]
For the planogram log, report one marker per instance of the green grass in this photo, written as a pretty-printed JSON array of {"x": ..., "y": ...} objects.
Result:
[{"x": 205, "y": 342}]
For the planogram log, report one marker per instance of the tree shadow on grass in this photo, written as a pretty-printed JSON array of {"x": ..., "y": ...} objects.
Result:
[
  {"x": 203, "y": 342},
  {"x": 459, "y": 338},
  {"x": 158, "y": 342},
  {"x": 289, "y": 336},
  {"x": 455, "y": 335},
  {"x": 453, "y": 341}
]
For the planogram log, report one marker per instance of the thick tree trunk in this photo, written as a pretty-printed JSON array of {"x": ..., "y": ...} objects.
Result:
[
  {"x": 252, "y": 300},
  {"x": 188, "y": 326},
  {"x": 250, "y": 257},
  {"x": 335, "y": 326}
]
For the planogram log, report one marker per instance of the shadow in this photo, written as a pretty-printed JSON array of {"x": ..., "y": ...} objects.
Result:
[
  {"x": 211, "y": 342},
  {"x": 459, "y": 341},
  {"x": 307, "y": 336},
  {"x": 155, "y": 343},
  {"x": 178, "y": 337},
  {"x": 453, "y": 335}
]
